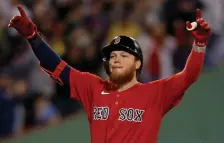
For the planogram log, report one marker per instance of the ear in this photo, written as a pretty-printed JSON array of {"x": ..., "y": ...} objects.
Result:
[{"x": 137, "y": 64}]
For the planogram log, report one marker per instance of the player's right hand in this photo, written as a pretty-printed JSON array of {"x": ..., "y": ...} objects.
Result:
[{"x": 23, "y": 24}]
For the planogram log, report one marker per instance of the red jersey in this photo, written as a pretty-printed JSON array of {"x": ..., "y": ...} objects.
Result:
[{"x": 133, "y": 115}]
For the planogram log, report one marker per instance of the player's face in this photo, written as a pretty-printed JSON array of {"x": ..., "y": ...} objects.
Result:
[{"x": 123, "y": 66}]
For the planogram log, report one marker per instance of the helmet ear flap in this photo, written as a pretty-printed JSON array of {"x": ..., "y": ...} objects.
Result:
[{"x": 106, "y": 66}]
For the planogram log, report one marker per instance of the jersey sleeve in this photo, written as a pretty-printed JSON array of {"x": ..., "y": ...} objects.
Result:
[
  {"x": 173, "y": 88},
  {"x": 82, "y": 85}
]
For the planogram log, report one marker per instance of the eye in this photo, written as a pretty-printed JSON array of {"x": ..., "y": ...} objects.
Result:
[
  {"x": 124, "y": 56},
  {"x": 112, "y": 56}
]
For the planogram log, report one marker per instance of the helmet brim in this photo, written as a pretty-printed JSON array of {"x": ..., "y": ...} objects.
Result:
[{"x": 106, "y": 51}]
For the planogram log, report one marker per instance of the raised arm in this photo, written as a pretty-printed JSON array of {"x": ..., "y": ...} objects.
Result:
[
  {"x": 81, "y": 83},
  {"x": 173, "y": 88},
  {"x": 49, "y": 60}
]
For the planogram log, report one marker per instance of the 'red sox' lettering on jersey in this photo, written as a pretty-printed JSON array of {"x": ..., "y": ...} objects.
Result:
[{"x": 125, "y": 114}]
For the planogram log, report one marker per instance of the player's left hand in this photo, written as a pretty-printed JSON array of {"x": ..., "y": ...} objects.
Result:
[{"x": 200, "y": 30}]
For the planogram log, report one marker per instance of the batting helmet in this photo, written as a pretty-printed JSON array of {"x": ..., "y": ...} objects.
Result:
[{"x": 122, "y": 43}]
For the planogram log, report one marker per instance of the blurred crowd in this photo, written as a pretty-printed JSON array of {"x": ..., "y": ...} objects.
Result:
[{"x": 77, "y": 30}]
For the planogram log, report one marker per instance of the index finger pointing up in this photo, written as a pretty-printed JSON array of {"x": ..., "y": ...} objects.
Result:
[
  {"x": 198, "y": 14},
  {"x": 22, "y": 12}
]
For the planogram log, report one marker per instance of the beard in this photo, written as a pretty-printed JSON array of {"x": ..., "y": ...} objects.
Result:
[{"x": 124, "y": 77}]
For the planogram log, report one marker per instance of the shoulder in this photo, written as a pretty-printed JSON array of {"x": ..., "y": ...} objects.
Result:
[
  {"x": 153, "y": 85},
  {"x": 142, "y": 87},
  {"x": 85, "y": 77}
]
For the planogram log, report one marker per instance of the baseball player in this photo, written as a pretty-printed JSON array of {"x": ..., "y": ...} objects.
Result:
[{"x": 120, "y": 109}]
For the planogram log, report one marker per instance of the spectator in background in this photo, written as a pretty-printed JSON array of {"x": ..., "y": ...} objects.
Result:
[
  {"x": 98, "y": 22},
  {"x": 75, "y": 17},
  {"x": 57, "y": 40},
  {"x": 158, "y": 46},
  {"x": 213, "y": 13},
  {"x": 183, "y": 45},
  {"x": 121, "y": 22},
  {"x": 46, "y": 114},
  {"x": 18, "y": 71},
  {"x": 175, "y": 13},
  {"x": 183, "y": 10},
  {"x": 158, "y": 49},
  {"x": 12, "y": 112},
  {"x": 90, "y": 57},
  {"x": 5, "y": 11},
  {"x": 44, "y": 16},
  {"x": 40, "y": 85},
  {"x": 14, "y": 11},
  {"x": 5, "y": 49},
  {"x": 6, "y": 109}
]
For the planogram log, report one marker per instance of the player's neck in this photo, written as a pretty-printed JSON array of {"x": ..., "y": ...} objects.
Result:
[{"x": 127, "y": 85}]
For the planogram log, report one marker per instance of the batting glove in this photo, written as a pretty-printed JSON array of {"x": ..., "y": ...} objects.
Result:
[
  {"x": 200, "y": 30},
  {"x": 23, "y": 24}
]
